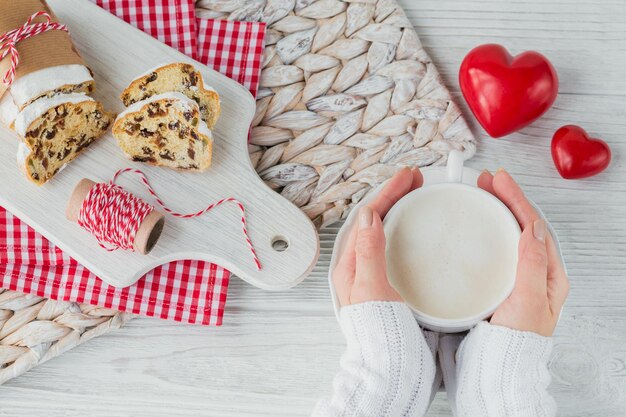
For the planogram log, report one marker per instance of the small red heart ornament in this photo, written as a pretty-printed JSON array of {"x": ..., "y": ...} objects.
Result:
[
  {"x": 576, "y": 155},
  {"x": 507, "y": 93}
]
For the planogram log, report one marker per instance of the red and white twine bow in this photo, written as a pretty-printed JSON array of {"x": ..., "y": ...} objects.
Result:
[
  {"x": 113, "y": 215},
  {"x": 9, "y": 41}
]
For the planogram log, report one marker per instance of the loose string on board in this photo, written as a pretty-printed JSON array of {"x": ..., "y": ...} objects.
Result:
[
  {"x": 113, "y": 215},
  {"x": 9, "y": 41}
]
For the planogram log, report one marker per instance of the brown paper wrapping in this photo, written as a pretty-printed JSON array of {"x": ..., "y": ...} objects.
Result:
[{"x": 45, "y": 50}]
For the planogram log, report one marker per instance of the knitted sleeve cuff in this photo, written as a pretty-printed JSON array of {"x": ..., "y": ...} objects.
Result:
[
  {"x": 387, "y": 368},
  {"x": 379, "y": 325},
  {"x": 503, "y": 372}
]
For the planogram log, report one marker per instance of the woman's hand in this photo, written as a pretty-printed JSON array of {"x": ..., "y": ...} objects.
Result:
[
  {"x": 541, "y": 285},
  {"x": 361, "y": 273}
]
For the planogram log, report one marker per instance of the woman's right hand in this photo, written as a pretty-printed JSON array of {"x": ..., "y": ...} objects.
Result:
[
  {"x": 361, "y": 273},
  {"x": 541, "y": 285}
]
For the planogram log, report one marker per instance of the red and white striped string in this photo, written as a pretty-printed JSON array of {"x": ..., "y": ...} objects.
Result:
[
  {"x": 9, "y": 41},
  {"x": 113, "y": 215}
]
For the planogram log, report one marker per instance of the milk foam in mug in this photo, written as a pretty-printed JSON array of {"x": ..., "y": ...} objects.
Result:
[{"x": 451, "y": 251}]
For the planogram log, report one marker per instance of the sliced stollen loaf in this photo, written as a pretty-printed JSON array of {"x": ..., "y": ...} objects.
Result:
[
  {"x": 177, "y": 77},
  {"x": 46, "y": 82},
  {"x": 167, "y": 130},
  {"x": 55, "y": 130},
  {"x": 51, "y": 81}
]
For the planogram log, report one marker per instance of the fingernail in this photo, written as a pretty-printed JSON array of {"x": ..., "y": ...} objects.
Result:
[
  {"x": 486, "y": 171},
  {"x": 501, "y": 170},
  {"x": 365, "y": 217},
  {"x": 539, "y": 230}
]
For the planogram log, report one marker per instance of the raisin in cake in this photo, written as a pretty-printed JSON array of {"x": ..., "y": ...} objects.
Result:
[
  {"x": 55, "y": 130},
  {"x": 167, "y": 130},
  {"x": 177, "y": 77},
  {"x": 47, "y": 82}
]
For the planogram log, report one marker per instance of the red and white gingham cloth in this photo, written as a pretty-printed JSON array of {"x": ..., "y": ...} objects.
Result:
[
  {"x": 173, "y": 22},
  {"x": 232, "y": 48},
  {"x": 189, "y": 291}
]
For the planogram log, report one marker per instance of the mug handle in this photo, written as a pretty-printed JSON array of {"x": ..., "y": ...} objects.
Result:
[{"x": 454, "y": 166}]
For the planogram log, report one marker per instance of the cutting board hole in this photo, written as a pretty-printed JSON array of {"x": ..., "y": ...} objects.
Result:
[{"x": 280, "y": 243}]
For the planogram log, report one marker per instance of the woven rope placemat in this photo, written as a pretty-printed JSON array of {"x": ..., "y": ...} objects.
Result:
[
  {"x": 348, "y": 96},
  {"x": 34, "y": 330}
]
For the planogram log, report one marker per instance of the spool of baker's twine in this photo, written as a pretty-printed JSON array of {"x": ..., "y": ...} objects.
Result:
[{"x": 120, "y": 220}]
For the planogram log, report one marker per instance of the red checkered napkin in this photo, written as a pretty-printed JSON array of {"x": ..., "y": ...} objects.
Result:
[
  {"x": 232, "y": 48},
  {"x": 171, "y": 21},
  {"x": 189, "y": 291}
]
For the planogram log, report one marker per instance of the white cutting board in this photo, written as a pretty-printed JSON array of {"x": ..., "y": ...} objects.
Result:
[{"x": 117, "y": 52}]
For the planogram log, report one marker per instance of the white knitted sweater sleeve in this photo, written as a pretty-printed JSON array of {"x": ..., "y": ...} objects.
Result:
[
  {"x": 387, "y": 368},
  {"x": 504, "y": 373}
]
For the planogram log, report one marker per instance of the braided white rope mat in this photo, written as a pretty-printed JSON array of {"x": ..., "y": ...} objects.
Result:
[
  {"x": 34, "y": 330},
  {"x": 348, "y": 96}
]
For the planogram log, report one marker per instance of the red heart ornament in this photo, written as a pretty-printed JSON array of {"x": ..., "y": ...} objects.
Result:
[
  {"x": 578, "y": 156},
  {"x": 507, "y": 93}
]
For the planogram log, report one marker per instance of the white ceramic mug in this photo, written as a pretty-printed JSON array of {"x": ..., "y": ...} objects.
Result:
[{"x": 450, "y": 284}]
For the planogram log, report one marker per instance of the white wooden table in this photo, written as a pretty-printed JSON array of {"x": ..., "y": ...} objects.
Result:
[{"x": 277, "y": 352}]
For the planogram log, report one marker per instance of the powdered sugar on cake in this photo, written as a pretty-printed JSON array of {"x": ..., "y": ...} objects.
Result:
[
  {"x": 8, "y": 110},
  {"x": 23, "y": 152},
  {"x": 178, "y": 77},
  {"x": 37, "y": 83},
  {"x": 179, "y": 101},
  {"x": 150, "y": 71}
]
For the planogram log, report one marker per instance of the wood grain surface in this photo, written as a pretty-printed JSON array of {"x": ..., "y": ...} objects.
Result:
[{"x": 277, "y": 352}]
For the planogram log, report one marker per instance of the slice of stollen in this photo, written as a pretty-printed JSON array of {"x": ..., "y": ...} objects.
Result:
[
  {"x": 165, "y": 130},
  {"x": 176, "y": 77},
  {"x": 56, "y": 130},
  {"x": 48, "y": 82}
]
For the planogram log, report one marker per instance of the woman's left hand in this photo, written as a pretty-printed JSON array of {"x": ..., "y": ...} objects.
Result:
[{"x": 361, "y": 273}]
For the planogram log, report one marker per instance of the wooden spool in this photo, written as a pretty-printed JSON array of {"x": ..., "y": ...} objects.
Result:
[{"x": 149, "y": 230}]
